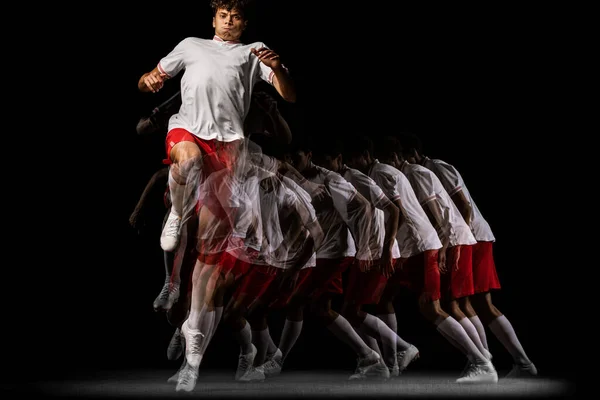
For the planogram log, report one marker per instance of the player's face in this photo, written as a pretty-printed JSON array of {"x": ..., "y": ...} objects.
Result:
[
  {"x": 331, "y": 163},
  {"x": 300, "y": 160},
  {"x": 395, "y": 160},
  {"x": 229, "y": 25},
  {"x": 358, "y": 162},
  {"x": 410, "y": 157}
]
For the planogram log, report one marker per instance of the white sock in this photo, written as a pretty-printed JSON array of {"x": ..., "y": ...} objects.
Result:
[
  {"x": 480, "y": 330},
  {"x": 453, "y": 342},
  {"x": 183, "y": 185},
  {"x": 261, "y": 341},
  {"x": 473, "y": 334},
  {"x": 177, "y": 193},
  {"x": 505, "y": 333},
  {"x": 450, "y": 327},
  {"x": 271, "y": 348},
  {"x": 218, "y": 312},
  {"x": 291, "y": 332},
  {"x": 244, "y": 338},
  {"x": 390, "y": 341},
  {"x": 390, "y": 320},
  {"x": 342, "y": 329},
  {"x": 195, "y": 317},
  {"x": 207, "y": 324},
  {"x": 370, "y": 341}
]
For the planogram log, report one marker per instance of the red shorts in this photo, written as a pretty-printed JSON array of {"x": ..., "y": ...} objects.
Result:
[
  {"x": 457, "y": 282},
  {"x": 326, "y": 277},
  {"x": 255, "y": 283},
  {"x": 364, "y": 287},
  {"x": 485, "y": 277},
  {"x": 225, "y": 264},
  {"x": 419, "y": 273},
  {"x": 277, "y": 298},
  {"x": 216, "y": 154}
]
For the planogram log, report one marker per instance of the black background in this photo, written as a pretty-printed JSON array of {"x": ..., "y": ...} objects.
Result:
[{"x": 475, "y": 82}]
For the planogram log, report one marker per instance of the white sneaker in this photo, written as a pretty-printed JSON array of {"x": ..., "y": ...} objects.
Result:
[
  {"x": 163, "y": 296},
  {"x": 169, "y": 238},
  {"x": 466, "y": 368},
  {"x": 371, "y": 366},
  {"x": 167, "y": 297},
  {"x": 245, "y": 361},
  {"x": 175, "y": 378},
  {"x": 484, "y": 373},
  {"x": 253, "y": 374},
  {"x": 273, "y": 365},
  {"x": 406, "y": 357},
  {"x": 176, "y": 345},
  {"x": 186, "y": 381},
  {"x": 522, "y": 371},
  {"x": 193, "y": 343}
]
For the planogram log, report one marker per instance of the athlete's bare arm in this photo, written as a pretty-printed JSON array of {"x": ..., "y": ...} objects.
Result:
[
  {"x": 391, "y": 228},
  {"x": 434, "y": 213},
  {"x": 281, "y": 80},
  {"x": 463, "y": 205}
]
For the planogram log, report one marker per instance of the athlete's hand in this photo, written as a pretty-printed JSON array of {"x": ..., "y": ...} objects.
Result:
[
  {"x": 267, "y": 57},
  {"x": 454, "y": 257},
  {"x": 155, "y": 80},
  {"x": 137, "y": 221},
  {"x": 442, "y": 261},
  {"x": 387, "y": 263},
  {"x": 364, "y": 265}
]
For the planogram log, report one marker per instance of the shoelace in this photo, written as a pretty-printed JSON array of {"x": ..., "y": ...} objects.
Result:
[
  {"x": 473, "y": 370},
  {"x": 195, "y": 344},
  {"x": 269, "y": 365},
  {"x": 400, "y": 355},
  {"x": 360, "y": 368},
  {"x": 172, "y": 227},
  {"x": 164, "y": 293},
  {"x": 243, "y": 362},
  {"x": 173, "y": 288},
  {"x": 186, "y": 376}
]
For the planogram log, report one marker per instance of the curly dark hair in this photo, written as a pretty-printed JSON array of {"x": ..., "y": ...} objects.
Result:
[{"x": 241, "y": 5}]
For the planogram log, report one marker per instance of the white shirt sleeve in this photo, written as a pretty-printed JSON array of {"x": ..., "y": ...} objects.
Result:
[
  {"x": 424, "y": 186},
  {"x": 449, "y": 177},
  {"x": 173, "y": 63}
]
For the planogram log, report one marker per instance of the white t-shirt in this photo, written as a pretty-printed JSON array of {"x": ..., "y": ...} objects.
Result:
[
  {"x": 293, "y": 228},
  {"x": 417, "y": 234},
  {"x": 216, "y": 86},
  {"x": 337, "y": 241},
  {"x": 374, "y": 195},
  {"x": 428, "y": 188},
  {"x": 284, "y": 230},
  {"x": 453, "y": 182}
]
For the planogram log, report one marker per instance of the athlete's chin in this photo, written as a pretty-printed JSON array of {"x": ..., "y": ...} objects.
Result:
[{"x": 229, "y": 35}]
